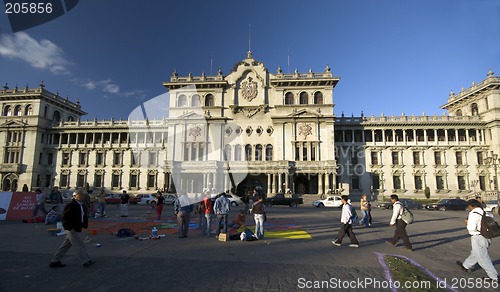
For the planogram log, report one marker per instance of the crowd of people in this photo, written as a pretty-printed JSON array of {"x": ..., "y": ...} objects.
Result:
[{"x": 213, "y": 209}]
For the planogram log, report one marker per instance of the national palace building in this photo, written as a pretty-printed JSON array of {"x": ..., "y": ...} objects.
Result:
[{"x": 252, "y": 128}]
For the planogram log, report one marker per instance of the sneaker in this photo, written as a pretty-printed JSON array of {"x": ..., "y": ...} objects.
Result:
[
  {"x": 459, "y": 263},
  {"x": 353, "y": 245},
  {"x": 336, "y": 243},
  {"x": 57, "y": 265},
  {"x": 89, "y": 263}
]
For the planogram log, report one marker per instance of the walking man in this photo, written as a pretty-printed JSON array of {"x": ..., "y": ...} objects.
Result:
[
  {"x": 259, "y": 213},
  {"x": 346, "y": 224},
  {"x": 206, "y": 228},
  {"x": 221, "y": 208},
  {"x": 400, "y": 232},
  {"x": 74, "y": 218},
  {"x": 40, "y": 203},
  {"x": 480, "y": 244},
  {"x": 56, "y": 198}
]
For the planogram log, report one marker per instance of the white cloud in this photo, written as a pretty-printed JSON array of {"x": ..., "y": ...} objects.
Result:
[{"x": 42, "y": 54}]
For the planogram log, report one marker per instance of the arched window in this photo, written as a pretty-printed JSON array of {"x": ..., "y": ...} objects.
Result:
[
  {"x": 181, "y": 101},
  {"x": 227, "y": 152},
  {"x": 18, "y": 111},
  {"x": 258, "y": 152},
  {"x": 195, "y": 100},
  {"x": 209, "y": 100},
  {"x": 458, "y": 113},
  {"x": 237, "y": 153},
  {"x": 474, "y": 110},
  {"x": 318, "y": 97},
  {"x": 29, "y": 110},
  {"x": 304, "y": 98},
  {"x": 248, "y": 152},
  {"x": 289, "y": 98},
  {"x": 70, "y": 119},
  {"x": 7, "y": 111},
  {"x": 269, "y": 152},
  {"x": 56, "y": 117}
]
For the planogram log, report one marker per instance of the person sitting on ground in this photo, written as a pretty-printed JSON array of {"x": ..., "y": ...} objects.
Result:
[
  {"x": 53, "y": 216},
  {"x": 239, "y": 220}
]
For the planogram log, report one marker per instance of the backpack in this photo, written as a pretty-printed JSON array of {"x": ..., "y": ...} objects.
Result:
[
  {"x": 489, "y": 227},
  {"x": 406, "y": 215},
  {"x": 354, "y": 215}
]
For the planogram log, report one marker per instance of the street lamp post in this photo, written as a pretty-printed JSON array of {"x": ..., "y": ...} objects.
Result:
[{"x": 493, "y": 160}]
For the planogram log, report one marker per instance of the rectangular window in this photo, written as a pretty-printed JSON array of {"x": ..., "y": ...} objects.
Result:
[
  {"x": 482, "y": 183},
  {"x": 374, "y": 156},
  {"x": 313, "y": 153},
  {"x": 416, "y": 158},
  {"x": 375, "y": 181},
  {"x": 151, "y": 180},
  {"x": 65, "y": 159},
  {"x": 117, "y": 159},
  {"x": 80, "y": 180},
  {"x": 152, "y": 159},
  {"x": 201, "y": 152},
  {"x": 418, "y": 182},
  {"x": 395, "y": 158},
  {"x": 134, "y": 158},
  {"x": 98, "y": 181},
  {"x": 186, "y": 152},
  {"x": 193, "y": 152},
  {"x": 396, "y": 180},
  {"x": 82, "y": 160},
  {"x": 64, "y": 183},
  {"x": 115, "y": 180},
  {"x": 304, "y": 152},
  {"x": 39, "y": 159},
  {"x": 297, "y": 151},
  {"x": 354, "y": 158},
  {"x": 439, "y": 182},
  {"x": 480, "y": 159},
  {"x": 355, "y": 182},
  {"x": 48, "y": 180},
  {"x": 133, "y": 180},
  {"x": 458, "y": 156},
  {"x": 437, "y": 158},
  {"x": 461, "y": 182},
  {"x": 50, "y": 158},
  {"x": 99, "y": 158}
]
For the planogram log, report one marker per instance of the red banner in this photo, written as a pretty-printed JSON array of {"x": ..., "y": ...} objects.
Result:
[{"x": 16, "y": 206}]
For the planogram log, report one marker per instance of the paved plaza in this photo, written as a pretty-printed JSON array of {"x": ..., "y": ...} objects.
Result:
[{"x": 205, "y": 264}]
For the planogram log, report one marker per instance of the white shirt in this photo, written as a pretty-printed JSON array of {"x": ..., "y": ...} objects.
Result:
[
  {"x": 474, "y": 221},
  {"x": 346, "y": 214},
  {"x": 397, "y": 210}
]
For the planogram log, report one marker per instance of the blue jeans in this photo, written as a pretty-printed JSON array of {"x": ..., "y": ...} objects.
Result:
[
  {"x": 221, "y": 219},
  {"x": 479, "y": 254},
  {"x": 366, "y": 218},
  {"x": 259, "y": 225}
]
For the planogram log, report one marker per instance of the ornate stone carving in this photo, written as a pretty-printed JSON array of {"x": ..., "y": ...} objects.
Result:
[
  {"x": 249, "y": 89},
  {"x": 195, "y": 131},
  {"x": 305, "y": 130}
]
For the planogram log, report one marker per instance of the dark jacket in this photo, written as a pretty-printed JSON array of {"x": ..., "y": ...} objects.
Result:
[
  {"x": 258, "y": 208},
  {"x": 72, "y": 217}
]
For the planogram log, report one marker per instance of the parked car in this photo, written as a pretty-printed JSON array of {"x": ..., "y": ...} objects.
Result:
[
  {"x": 408, "y": 203},
  {"x": 145, "y": 198},
  {"x": 115, "y": 199},
  {"x": 330, "y": 201},
  {"x": 491, "y": 206},
  {"x": 169, "y": 200},
  {"x": 235, "y": 200},
  {"x": 280, "y": 199},
  {"x": 448, "y": 204}
]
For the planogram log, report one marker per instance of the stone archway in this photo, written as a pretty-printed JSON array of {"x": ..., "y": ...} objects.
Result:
[{"x": 9, "y": 183}]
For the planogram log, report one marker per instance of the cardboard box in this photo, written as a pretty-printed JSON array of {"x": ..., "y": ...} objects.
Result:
[{"x": 223, "y": 237}]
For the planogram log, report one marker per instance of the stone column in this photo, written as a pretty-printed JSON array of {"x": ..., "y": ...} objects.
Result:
[
  {"x": 280, "y": 182},
  {"x": 269, "y": 190},
  {"x": 320, "y": 183},
  {"x": 273, "y": 183}
]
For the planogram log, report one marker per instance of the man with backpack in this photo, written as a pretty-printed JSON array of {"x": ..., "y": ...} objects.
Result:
[
  {"x": 400, "y": 232},
  {"x": 346, "y": 220},
  {"x": 480, "y": 244}
]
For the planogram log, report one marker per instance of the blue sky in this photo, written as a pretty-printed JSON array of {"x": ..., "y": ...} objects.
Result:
[{"x": 392, "y": 56}]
